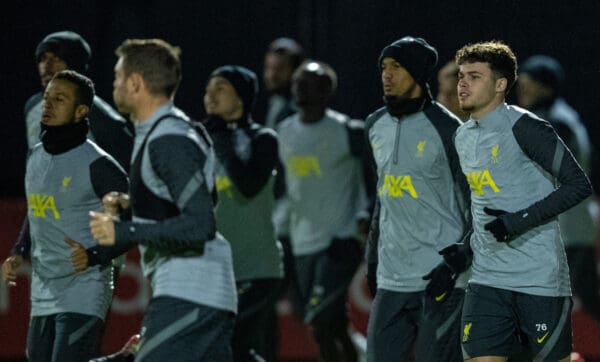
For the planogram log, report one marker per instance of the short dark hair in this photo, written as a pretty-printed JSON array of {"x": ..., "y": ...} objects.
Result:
[
  {"x": 290, "y": 48},
  {"x": 157, "y": 62},
  {"x": 323, "y": 70},
  {"x": 84, "y": 87},
  {"x": 498, "y": 55}
]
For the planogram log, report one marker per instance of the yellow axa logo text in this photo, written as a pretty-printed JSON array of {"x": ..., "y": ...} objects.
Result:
[
  {"x": 304, "y": 166},
  {"x": 40, "y": 203},
  {"x": 479, "y": 179},
  {"x": 395, "y": 186}
]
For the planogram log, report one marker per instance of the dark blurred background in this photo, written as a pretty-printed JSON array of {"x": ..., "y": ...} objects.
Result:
[{"x": 347, "y": 34}]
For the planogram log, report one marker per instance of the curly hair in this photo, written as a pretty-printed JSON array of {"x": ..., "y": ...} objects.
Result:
[{"x": 498, "y": 55}]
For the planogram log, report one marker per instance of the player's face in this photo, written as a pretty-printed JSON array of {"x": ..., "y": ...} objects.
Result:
[
  {"x": 397, "y": 81},
  {"x": 310, "y": 88},
  {"x": 49, "y": 65},
  {"x": 121, "y": 88},
  {"x": 478, "y": 88},
  {"x": 221, "y": 99},
  {"x": 277, "y": 72},
  {"x": 59, "y": 103}
]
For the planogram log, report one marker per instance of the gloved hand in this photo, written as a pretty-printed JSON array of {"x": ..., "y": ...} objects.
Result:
[
  {"x": 372, "y": 278},
  {"x": 457, "y": 259},
  {"x": 441, "y": 282},
  {"x": 214, "y": 123},
  {"x": 496, "y": 226}
]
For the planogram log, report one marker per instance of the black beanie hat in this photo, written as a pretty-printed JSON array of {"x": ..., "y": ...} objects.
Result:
[
  {"x": 544, "y": 69},
  {"x": 68, "y": 46},
  {"x": 415, "y": 55},
  {"x": 244, "y": 82}
]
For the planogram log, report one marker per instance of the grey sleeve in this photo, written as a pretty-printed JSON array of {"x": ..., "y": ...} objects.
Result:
[
  {"x": 540, "y": 143},
  {"x": 178, "y": 162},
  {"x": 446, "y": 126},
  {"x": 361, "y": 149}
]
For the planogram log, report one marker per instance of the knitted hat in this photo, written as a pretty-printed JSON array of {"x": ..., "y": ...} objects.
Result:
[
  {"x": 244, "y": 82},
  {"x": 544, "y": 69},
  {"x": 68, "y": 46},
  {"x": 415, "y": 55}
]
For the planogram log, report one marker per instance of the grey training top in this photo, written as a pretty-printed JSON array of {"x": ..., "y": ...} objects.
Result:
[
  {"x": 61, "y": 191},
  {"x": 421, "y": 194},
  {"x": 513, "y": 161},
  {"x": 325, "y": 184},
  {"x": 178, "y": 166}
]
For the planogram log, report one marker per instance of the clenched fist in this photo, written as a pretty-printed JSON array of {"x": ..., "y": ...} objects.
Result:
[
  {"x": 9, "y": 269},
  {"x": 115, "y": 202},
  {"x": 79, "y": 257},
  {"x": 103, "y": 228}
]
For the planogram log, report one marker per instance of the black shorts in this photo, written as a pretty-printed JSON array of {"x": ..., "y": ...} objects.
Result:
[
  {"x": 322, "y": 280},
  {"x": 178, "y": 330},
  {"x": 402, "y": 321},
  {"x": 256, "y": 303},
  {"x": 64, "y": 337},
  {"x": 499, "y": 322}
]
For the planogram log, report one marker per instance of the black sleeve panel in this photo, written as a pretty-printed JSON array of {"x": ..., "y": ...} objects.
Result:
[
  {"x": 373, "y": 237},
  {"x": 107, "y": 176},
  {"x": 446, "y": 126},
  {"x": 541, "y": 144},
  {"x": 567, "y": 135},
  {"x": 371, "y": 255},
  {"x": 252, "y": 174},
  {"x": 111, "y": 132},
  {"x": 22, "y": 246},
  {"x": 103, "y": 255},
  {"x": 178, "y": 162}
]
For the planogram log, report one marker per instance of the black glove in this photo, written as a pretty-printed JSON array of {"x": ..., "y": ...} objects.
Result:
[
  {"x": 214, "y": 123},
  {"x": 372, "y": 278},
  {"x": 496, "y": 226},
  {"x": 441, "y": 282},
  {"x": 457, "y": 259}
]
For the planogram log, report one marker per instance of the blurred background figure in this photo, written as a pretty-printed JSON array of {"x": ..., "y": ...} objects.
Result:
[
  {"x": 245, "y": 177},
  {"x": 447, "y": 94},
  {"x": 282, "y": 58},
  {"x": 539, "y": 86},
  {"x": 322, "y": 151}
]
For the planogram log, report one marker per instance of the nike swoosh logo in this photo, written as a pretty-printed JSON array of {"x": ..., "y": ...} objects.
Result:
[
  {"x": 542, "y": 338},
  {"x": 440, "y": 297}
]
